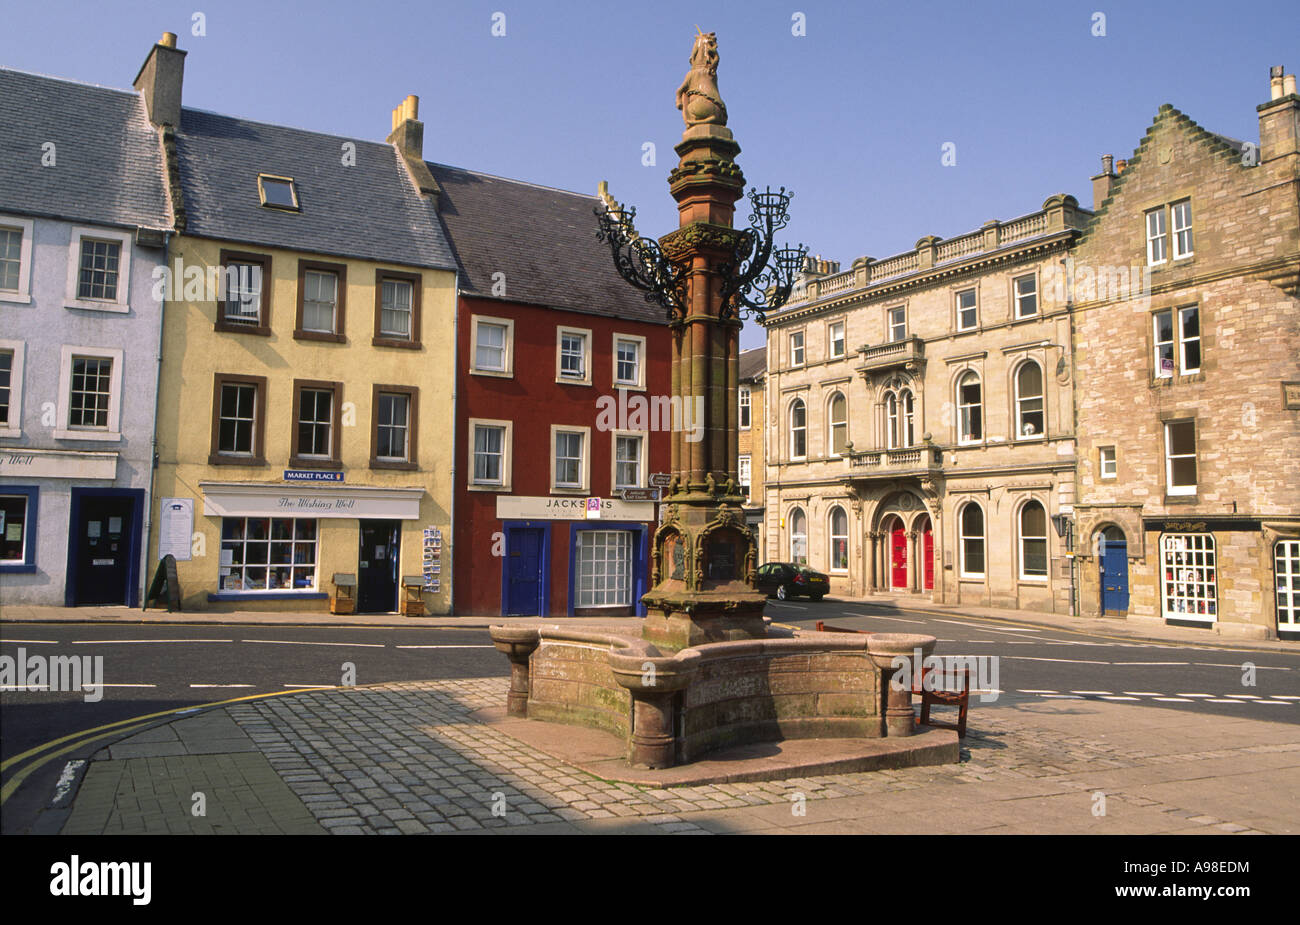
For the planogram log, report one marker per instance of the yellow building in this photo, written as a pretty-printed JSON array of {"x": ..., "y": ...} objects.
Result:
[{"x": 306, "y": 393}]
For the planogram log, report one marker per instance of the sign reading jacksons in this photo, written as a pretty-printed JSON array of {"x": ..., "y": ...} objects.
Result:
[{"x": 542, "y": 507}]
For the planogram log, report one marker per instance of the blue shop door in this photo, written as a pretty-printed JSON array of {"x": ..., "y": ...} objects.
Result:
[
  {"x": 523, "y": 572},
  {"x": 1114, "y": 576}
]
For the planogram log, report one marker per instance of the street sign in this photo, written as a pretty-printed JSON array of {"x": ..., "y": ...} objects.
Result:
[
  {"x": 660, "y": 479},
  {"x": 639, "y": 494}
]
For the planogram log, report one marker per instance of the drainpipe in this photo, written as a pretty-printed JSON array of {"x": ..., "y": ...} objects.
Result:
[
  {"x": 153, "y": 442},
  {"x": 455, "y": 450},
  {"x": 1071, "y": 545}
]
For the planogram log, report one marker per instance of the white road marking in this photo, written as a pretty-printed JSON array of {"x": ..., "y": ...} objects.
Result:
[
  {"x": 29, "y": 642},
  {"x": 65, "y": 779},
  {"x": 1280, "y": 703},
  {"x": 1070, "y": 661},
  {"x": 1195, "y": 695},
  {"x": 1286, "y": 697},
  {"x": 84, "y": 686},
  {"x": 118, "y": 642},
  {"x": 294, "y": 642},
  {"x": 1174, "y": 700},
  {"x": 1115, "y": 697},
  {"x": 1151, "y": 664},
  {"x": 1034, "y": 692},
  {"x": 1094, "y": 693},
  {"x": 1145, "y": 693},
  {"x": 46, "y": 687},
  {"x": 221, "y": 685},
  {"x": 446, "y": 647},
  {"x": 1238, "y": 667},
  {"x": 313, "y": 687},
  {"x": 1061, "y": 697},
  {"x": 1245, "y": 696},
  {"x": 1227, "y": 701}
]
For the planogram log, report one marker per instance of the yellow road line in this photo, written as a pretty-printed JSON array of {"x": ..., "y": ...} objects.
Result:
[{"x": 13, "y": 783}]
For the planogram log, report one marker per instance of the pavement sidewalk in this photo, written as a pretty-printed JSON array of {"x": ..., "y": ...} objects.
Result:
[
  {"x": 411, "y": 758},
  {"x": 1146, "y": 630}
]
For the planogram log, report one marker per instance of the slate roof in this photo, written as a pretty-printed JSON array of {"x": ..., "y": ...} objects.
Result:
[
  {"x": 370, "y": 211},
  {"x": 109, "y": 167},
  {"x": 542, "y": 239},
  {"x": 753, "y": 363}
]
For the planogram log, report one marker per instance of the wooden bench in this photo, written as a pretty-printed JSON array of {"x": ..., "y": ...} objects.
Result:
[{"x": 959, "y": 698}]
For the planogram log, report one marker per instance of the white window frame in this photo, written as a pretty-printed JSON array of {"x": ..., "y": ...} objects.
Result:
[
  {"x": 640, "y": 437},
  {"x": 964, "y": 438},
  {"x": 15, "y": 426},
  {"x": 1107, "y": 463},
  {"x": 1183, "y": 368},
  {"x": 1176, "y": 231},
  {"x": 585, "y": 334},
  {"x": 1170, "y": 487},
  {"x": 1286, "y": 583},
  {"x": 410, "y": 309},
  {"x": 803, "y": 429},
  {"x": 1018, "y": 297},
  {"x": 509, "y": 357},
  {"x": 744, "y": 469},
  {"x": 962, "y": 537},
  {"x": 1020, "y": 533},
  {"x": 793, "y": 537},
  {"x": 121, "y": 303},
  {"x": 833, "y": 536},
  {"x": 744, "y": 402},
  {"x": 23, "y": 294},
  {"x": 1020, "y": 435},
  {"x": 1178, "y": 556},
  {"x": 831, "y": 423},
  {"x": 584, "y": 464},
  {"x": 891, "y": 420},
  {"x": 831, "y": 340},
  {"x": 113, "y": 432},
  {"x": 1160, "y": 234},
  {"x": 799, "y": 351},
  {"x": 292, "y": 566},
  {"x": 637, "y": 383},
  {"x": 975, "y": 307},
  {"x": 895, "y": 331},
  {"x": 1157, "y": 343},
  {"x": 334, "y": 305},
  {"x": 622, "y": 542},
  {"x": 507, "y": 442}
]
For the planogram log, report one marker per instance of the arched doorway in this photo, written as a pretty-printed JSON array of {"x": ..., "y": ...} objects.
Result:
[
  {"x": 1112, "y": 561},
  {"x": 896, "y": 553},
  {"x": 925, "y": 530}
]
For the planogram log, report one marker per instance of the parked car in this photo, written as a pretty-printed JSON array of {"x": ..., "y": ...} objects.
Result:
[{"x": 786, "y": 580}]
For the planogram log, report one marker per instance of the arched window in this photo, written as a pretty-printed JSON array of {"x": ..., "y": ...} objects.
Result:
[
  {"x": 972, "y": 541},
  {"x": 1029, "y": 401},
  {"x": 839, "y": 423},
  {"x": 891, "y": 421},
  {"x": 1033, "y": 541},
  {"x": 908, "y": 433},
  {"x": 798, "y": 537},
  {"x": 798, "y": 430},
  {"x": 839, "y": 540},
  {"x": 970, "y": 407}
]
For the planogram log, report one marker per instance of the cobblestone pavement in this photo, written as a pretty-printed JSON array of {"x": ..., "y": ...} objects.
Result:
[{"x": 407, "y": 758}]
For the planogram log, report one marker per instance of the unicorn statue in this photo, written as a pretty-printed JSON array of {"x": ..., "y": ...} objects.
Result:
[{"x": 698, "y": 97}]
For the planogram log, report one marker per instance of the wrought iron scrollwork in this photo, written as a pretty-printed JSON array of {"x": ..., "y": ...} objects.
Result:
[{"x": 641, "y": 261}]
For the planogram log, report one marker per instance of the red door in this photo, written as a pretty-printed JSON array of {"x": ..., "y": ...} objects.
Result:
[
  {"x": 898, "y": 547},
  {"x": 928, "y": 545}
]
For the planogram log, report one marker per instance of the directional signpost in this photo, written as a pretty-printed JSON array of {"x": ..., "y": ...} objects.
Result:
[
  {"x": 660, "y": 479},
  {"x": 640, "y": 494}
]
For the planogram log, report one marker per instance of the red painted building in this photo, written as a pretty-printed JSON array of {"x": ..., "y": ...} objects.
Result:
[{"x": 548, "y": 336}]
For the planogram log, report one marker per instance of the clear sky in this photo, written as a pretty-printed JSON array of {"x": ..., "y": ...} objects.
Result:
[{"x": 853, "y": 115}]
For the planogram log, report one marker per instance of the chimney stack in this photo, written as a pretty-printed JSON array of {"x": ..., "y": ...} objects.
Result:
[
  {"x": 160, "y": 79},
  {"x": 1104, "y": 182},
  {"x": 1279, "y": 118},
  {"x": 408, "y": 130}
]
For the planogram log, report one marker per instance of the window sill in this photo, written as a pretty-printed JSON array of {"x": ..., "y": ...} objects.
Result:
[
  {"x": 16, "y": 297},
  {"x": 17, "y": 568},
  {"x": 103, "y": 436},
  {"x": 494, "y": 373},
  {"x": 299, "y": 462},
  {"x": 628, "y": 386},
  {"x": 267, "y": 596},
  {"x": 218, "y": 459},
  {"x": 97, "y": 306},
  {"x": 479, "y": 487},
  {"x": 260, "y": 330},
  {"x": 324, "y": 336},
  {"x": 1180, "y": 499},
  {"x": 404, "y": 465},
  {"x": 10, "y": 433},
  {"x": 382, "y": 341},
  {"x": 567, "y": 490},
  {"x": 565, "y": 380}
]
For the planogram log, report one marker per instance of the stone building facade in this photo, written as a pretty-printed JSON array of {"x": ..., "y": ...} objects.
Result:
[
  {"x": 1189, "y": 411},
  {"x": 750, "y": 447},
  {"x": 922, "y": 418}
]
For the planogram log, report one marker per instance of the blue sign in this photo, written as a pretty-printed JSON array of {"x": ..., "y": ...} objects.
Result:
[{"x": 312, "y": 475}]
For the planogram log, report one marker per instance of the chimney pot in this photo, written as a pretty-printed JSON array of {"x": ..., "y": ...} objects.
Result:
[
  {"x": 1108, "y": 164},
  {"x": 168, "y": 40},
  {"x": 1120, "y": 165},
  {"x": 1288, "y": 85}
]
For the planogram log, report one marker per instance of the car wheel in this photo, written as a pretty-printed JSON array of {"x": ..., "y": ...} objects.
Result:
[{"x": 780, "y": 592}]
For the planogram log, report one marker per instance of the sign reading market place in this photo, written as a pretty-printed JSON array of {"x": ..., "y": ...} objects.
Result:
[
  {"x": 244, "y": 499},
  {"x": 524, "y": 507},
  {"x": 312, "y": 475}
]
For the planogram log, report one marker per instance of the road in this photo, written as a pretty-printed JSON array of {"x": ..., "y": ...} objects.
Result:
[{"x": 155, "y": 668}]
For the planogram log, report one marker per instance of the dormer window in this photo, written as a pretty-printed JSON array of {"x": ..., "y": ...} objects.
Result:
[{"x": 277, "y": 192}]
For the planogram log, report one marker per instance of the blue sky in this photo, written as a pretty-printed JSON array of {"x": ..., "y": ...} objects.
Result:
[{"x": 852, "y": 115}]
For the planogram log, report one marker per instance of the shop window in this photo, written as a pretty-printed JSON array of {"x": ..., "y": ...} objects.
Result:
[
  {"x": 1286, "y": 574},
  {"x": 1033, "y": 541},
  {"x": 1188, "y": 580},
  {"x": 798, "y": 537},
  {"x": 268, "y": 554},
  {"x": 17, "y": 528},
  {"x": 839, "y": 530},
  {"x": 604, "y": 568}
]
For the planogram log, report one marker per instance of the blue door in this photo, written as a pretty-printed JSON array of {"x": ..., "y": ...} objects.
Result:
[
  {"x": 523, "y": 572},
  {"x": 1114, "y": 574}
]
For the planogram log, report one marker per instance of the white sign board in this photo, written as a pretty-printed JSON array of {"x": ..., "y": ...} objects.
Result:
[
  {"x": 58, "y": 464},
  {"x": 543, "y": 507},
  {"x": 321, "y": 501},
  {"x": 176, "y": 527}
]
